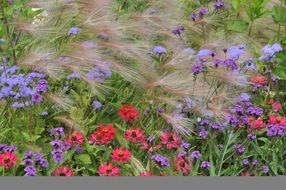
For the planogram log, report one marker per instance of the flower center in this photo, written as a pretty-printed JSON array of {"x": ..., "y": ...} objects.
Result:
[
  {"x": 120, "y": 153},
  {"x": 7, "y": 160}
]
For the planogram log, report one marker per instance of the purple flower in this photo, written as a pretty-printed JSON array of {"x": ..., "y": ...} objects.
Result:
[
  {"x": 206, "y": 165},
  {"x": 28, "y": 155},
  {"x": 79, "y": 150},
  {"x": 42, "y": 86},
  {"x": 235, "y": 52},
  {"x": 178, "y": 30},
  {"x": 216, "y": 126},
  {"x": 254, "y": 111},
  {"x": 203, "y": 11},
  {"x": 269, "y": 52},
  {"x": 56, "y": 143},
  {"x": 159, "y": 50},
  {"x": 37, "y": 98},
  {"x": 161, "y": 160},
  {"x": 38, "y": 156},
  {"x": 203, "y": 134},
  {"x": 57, "y": 131},
  {"x": 197, "y": 68},
  {"x": 251, "y": 136},
  {"x": 250, "y": 64},
  {"x": 243, "y": 97},
  {"x": 204, "y": 53},
  {"x": 89, "y": 44},
  {"x": 73, "y": 75},
  {"x": 160, "y": 110},
  {"x": 195, "y": 154},
  {"x": 28, "y": 162},
  {"x": 44, "y": 113},
  {"x": 185, "y": 145},
  {"x": 255, "y": 162},
  {"x": 245, "y": 162},
  {"x": 58, "y": 157},
  {"x": 219, "y": 4},
  {"x": 30, "y": 171},
  {"x": 150, "y": 139},
  {"x": 238, "y": 109},
  {"x": 182, "y": 154},
  {"x": 96, "y": 105},
  {"x": 239, "y": 148},
  {"x": 74, "y": 31},
  {"x": 265, "y": 169},
  {"x": 193, "y": 16},
  {"x": 230, "y": 64},
  {"x": 233, "y": 120}
]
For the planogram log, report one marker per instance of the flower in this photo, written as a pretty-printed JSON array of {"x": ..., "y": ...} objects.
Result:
[
  {"x": 74, "y": 31},
  {"x": 57, "y": 131},
  {"x": 251, "y": 136},
  {"x": 265, "y": 169},
  {"x": 178, "y": 30},
  {"x": 203, "y": 134},
  {"x": 159, "y": 50},
  {"x": 193, "y": 16},
  {"x": 121, "y": 155},
  {"x": 170, "y": 140},
  {"x": 103, "y": 135},
  {"x": 183, "y": 165},
  {"x": 96, "y": 105},
  {"x": 146, "y": 174},
  {"x": 76, "y": 138},
  {"x": 161, "y": 160},
  {"x": 8, "y": 159},
  {"x": 257, "y": 124},
  {"x": 255, "y": 162},
  {"x": 239, "y": 148},
  {"x": 206, "y": 165},
  {"x": 134, "y": 135},
  {"x": 62, "y": 171},
  {"x": 109, "y": 170},
  {"x": 276, "y": 106},
  {"x": 258, "y": 80},
  {"x": 128, "y": 113},
  {"x": 197, "y": 68},
  {"x": 245, "y": 162},
  {"x": 195, "y": 154},
  {"x": 269, "y": 52},
  {"x": 219, "y": 4},
  {"x": 203, "y": 11},
  {"x": 30, "y": 171}
]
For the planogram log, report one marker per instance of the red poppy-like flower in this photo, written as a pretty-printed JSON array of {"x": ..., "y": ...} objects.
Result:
[
  {"x": 146, "y": 174},
  {"x": 8, "y": 159},
  {"x": 258, "y": 80},
  {"x": 246, "y": 173},
  {"x": 272, "y": 119},
  {"x": 256, "y": 123},
  {"x": 103, "y": 135},
  {"x": 62, "y": 171},
  {"x": 108, "y": 170},
  {"x": 170, "y": 140},
  {"x": 128, "y": 113},
  {"x": 134, "y": 135},
  {"x": 183, "y": 165},
  {"x": 121, "y": 155},
  {"x": 76, "y": 138},
  {"x": 149, "y": 146}
]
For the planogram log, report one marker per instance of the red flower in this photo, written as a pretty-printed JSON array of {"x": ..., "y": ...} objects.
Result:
[
  {"x": 258, "y": 80},
  {"x": 62, "y": 171},
  {"x": 134, "y": 135},
  {"x": 183, "y": 165},
  {"x": 8, "y": 159},
  {"x": 256, "y": 123},
  {"x": 277, "y": 120},
  {"x": 121, "y": 155},
  {"x": 76, "y": 138},
  {"x": 150, "y": 147},
  {"x": 103, "y": 135},
  {"x": 170, "y": 140},
  {"x": 108, "y": 170},
  {"x": 128, "y": 113},
  {"x": 146, "y": 174},
  {"x": 276, "y": 106},
  {"x": 245, "y": 173}
]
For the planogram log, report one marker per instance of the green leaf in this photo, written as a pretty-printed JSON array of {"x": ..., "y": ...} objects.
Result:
[
  {"x": 85, "y": 159},
  {"x": 279, "y": 14},
  {"x": 237, "y": 25}
]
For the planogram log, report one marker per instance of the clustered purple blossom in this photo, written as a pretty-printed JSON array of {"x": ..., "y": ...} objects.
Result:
[
  {"x": 206, "y": 165},
  {"x": 100, "y": 73},
  {"x": 178, "y": 30},
  {"x": 251, "y": 136},
  {"x": 31, "y": 161},
  {"x": 203, "y": 134},
  {"x": 265, "y": 169},
  {"x": 239, "y": 148},
  {"x": 269, "y": 52},
  {"x": 159, "y": 50},
  {"x": 203, "y": 11},
  {"x": 195, "y": 154},
  {"x": 197, "y": 68},
  {"x": 96, "y": 104},
  {"x": 275, "y": 130},
  {"x": 219, "y": 4},
  {"x": 59, "y": 147},
  {"x": 245, "y": 162},
  {"x": 161, "y": 160},
  {"x": 73, "y": 31},
  {"x": 7, "y": 148},
  {"x": 59, "y": 131},
  {"x": 73, "y": 75},
  {"x": 25, "y": 90}
]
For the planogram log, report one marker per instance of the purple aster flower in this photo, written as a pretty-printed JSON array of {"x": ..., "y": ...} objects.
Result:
[
  {"x": 79, "y": 150},
  {"x": 182, "y": 154},
  {"x": 161, "y": 160},
  {"x": 44, "y": 163},
  {"x": 195, "y": 154},
  {"x": 245, "y": 162},
  {"x": 58, "y": 158},
  {"x": 150, "y": 139},
  {"x": 238, "y": 109},
  {"x": 197, "y": 68},
  {"x": 38, "y": 156},
  {"x": 255, "y": 111},
  {"x": 270, "y": 51},
  {"x": 239, "y": 148},
  {"x": 42, "y": 86},
  {"x": 206, "y": 165},
  {"x": 160, "y": 110},
  {"x": 250, "y": 64},
  {"x": 243, "y": 97},
  {"x": 11, "y": 148},
  {"x": 204, "y": 53},
  {"x": 233, "y": 120},
  {"x": 230, "y": 64},
  {"x": 251, "y": 136},
  {"x": 265, "y": 169},
  {"x": 28, "y": 155},
  {"x": 74, "y": 31},
  {"x": 203, "y": 134},
  {"x": 44, "y": 113},
  {"x": 56, "y": 143},
  {"x": 216, "y": 126},
  {"x": 159, "y": 50},
  {"x": 185, "y": 145},
  {"x": 235, "y": 52},
  {"x": 30, "y": 171},
  {"x": 96, "y": 105},
  {"x": 219, "y": 4}
]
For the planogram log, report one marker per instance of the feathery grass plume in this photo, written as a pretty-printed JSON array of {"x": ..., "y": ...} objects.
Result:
[
  {"x": 63, "y": 102},
  {"x": 138, "y": 165},
  {"x": 69, "y": 122},
  {"x": 180, "y": 124}
]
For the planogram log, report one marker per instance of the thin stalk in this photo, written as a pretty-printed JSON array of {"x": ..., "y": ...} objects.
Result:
[
  {"x": 224, "y": 153},
  {"x": 250, "y": 28}
]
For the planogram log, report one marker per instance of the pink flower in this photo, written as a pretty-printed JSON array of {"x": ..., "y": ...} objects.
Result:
[
  {"x": 170, "y": 140},
  {"x": 8, "y": 159},
  {"x": 121, "y": 155},
  {"x": 276, "y": 106},
  {"x": 108, "y": 170},
  {"x": 103, "y": 135},
  {"x": 134, "y": 135},
  {"x": 128, "y": 113},
  {"x": 62, "y": 171},
  {"x": 76, "y": 138}
]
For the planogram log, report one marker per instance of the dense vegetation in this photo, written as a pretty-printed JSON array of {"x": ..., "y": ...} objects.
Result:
[{"x": 142, "y": 87}]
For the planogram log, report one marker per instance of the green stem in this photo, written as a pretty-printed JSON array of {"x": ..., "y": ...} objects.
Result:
[
  {"x": 250, "y": 28},
  {"x": 224, "y": 153}
]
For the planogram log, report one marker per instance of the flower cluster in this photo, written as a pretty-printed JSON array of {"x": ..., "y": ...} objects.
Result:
[
  {"x": 32, "y": 161},
  {"x": 103, "y": 135}
]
